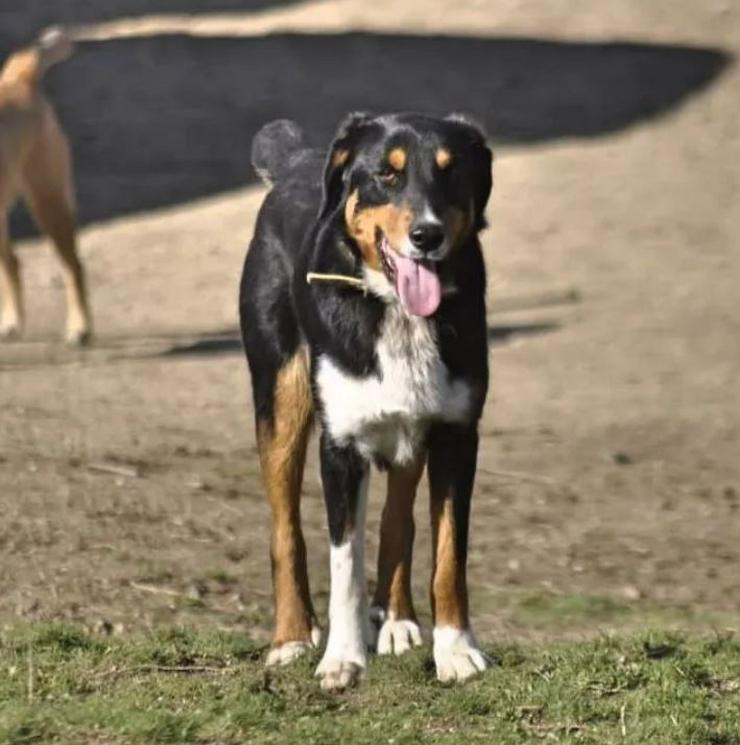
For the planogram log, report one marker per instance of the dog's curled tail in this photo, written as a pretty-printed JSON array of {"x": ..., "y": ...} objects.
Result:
[
  {"x": 274, "y": 149},
  {"x": 29, "y": 65}
]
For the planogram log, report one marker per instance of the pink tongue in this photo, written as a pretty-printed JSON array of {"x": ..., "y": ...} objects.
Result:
[{"x": 418, "y": 286}]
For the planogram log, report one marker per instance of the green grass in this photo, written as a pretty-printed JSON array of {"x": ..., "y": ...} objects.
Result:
[
  {"x": 555, "y": 613},
  {"x": 58, "y": 684}
]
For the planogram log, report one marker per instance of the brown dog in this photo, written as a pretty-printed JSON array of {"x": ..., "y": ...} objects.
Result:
[{"x": 35, "y": 164}]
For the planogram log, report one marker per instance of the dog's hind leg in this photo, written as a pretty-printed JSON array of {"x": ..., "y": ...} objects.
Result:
[
  {"x": 282, "y": 441},
  {"x": 49, "y": 193},
  {"x": 392, "y": 610},
  {"x": 11, "y": 314}
]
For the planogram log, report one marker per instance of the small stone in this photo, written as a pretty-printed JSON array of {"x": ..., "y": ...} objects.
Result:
[
  {"x": 631, "y": 592},
  {"x": 103, "y": 627},
  {"x": 621, "y": 458},
  {"x": 197, "y": 591},
  {"x": 197, "y": 484}
]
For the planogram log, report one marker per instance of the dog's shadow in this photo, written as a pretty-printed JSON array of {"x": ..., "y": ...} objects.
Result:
[
  {"x": 229, "y": 342},
  {"x": 161, "y": 120},
  {"x": 39, "y": 352}
]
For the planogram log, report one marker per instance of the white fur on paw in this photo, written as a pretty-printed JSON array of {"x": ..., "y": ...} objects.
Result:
[
  {"x": 336, "y": 674},
  {"x": 398, "y": 636},
  {"x": 457, "y": 655},
  {"x": 290, "y": 651},
  {"x": 77, "y": 337}
]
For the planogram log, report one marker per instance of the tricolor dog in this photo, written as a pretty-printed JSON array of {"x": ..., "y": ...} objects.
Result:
[{"x": 362, "y": 307}]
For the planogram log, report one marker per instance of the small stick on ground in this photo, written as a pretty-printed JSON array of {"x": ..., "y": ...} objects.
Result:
[
  {"x": 30, "y": 674},
  {"x": 182, "y": 669},
  {"x": 154, "y": 590},
  {"x": 622, "y": 723},
  {"x": 115, "y": 470}
]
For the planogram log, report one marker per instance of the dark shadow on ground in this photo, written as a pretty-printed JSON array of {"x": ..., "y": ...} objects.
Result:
[
  {"x": 42, "y": 351},
  {"x": 209, "y": 345},
  {"x": 230, "y": 342},
  {"x": 505, "y": 333},
  {"x": 161, "y": 120}
]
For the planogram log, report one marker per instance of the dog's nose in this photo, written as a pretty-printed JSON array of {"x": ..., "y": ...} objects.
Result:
[{"x": 427, "y": 236}]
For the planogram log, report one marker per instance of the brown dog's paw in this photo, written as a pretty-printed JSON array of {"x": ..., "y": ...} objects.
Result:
[
  {"x": 78, "y": 337},
  {"x": 284, "y": 654},
  {"x": 398, "y": 636}
]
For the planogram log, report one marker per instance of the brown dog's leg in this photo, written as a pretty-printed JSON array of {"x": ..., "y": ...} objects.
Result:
[
  {"x": 49, "y": 192},
  {"x": 452, "y": 461},
  {"x": 282, "y": 446},
  {"x": 393, "y": 609},
  {"x": 11, "y": 315}
]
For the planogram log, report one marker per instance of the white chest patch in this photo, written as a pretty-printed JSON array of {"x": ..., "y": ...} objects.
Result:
[{"x": 387, "y": 414}]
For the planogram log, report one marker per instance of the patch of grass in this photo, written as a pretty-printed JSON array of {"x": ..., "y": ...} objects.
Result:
[
  {"x": 223, "y": 577},
  {"x": 547, "y": 607},
  {"x": 558, "y": 614},
  {"x": 58, "y": 684}
]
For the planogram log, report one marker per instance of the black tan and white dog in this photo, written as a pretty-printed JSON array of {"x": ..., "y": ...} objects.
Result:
[
  {"x": 35, "y": 163},
  {"x": 362, "y": 305}
]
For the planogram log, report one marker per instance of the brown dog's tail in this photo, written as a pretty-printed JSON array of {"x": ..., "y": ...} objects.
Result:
[{"x": 29, "y": 65}]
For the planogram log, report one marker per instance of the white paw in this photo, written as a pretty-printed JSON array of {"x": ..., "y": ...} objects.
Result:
[
  {"x": 77, "y": 337},
  {"x": 456, "y": 654},
  {"x": 398, "y": 636},
  {"x": 337, "y": 674},
  {"x": 290, "y": 651}
]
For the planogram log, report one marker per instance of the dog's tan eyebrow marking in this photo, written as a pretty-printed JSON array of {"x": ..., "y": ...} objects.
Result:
[
  {"x": 443, "y": 158},
  {"x": 339, "y": 157},
  {"x": 397, "y": 158}
]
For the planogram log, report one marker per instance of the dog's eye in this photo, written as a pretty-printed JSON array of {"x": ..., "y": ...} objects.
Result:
[{"x": 389, "y": 175}]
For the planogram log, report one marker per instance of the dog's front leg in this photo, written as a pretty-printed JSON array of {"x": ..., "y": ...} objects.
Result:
[
  {"x": 453, "y": 451},
  {"x": 344, "y": 473}
]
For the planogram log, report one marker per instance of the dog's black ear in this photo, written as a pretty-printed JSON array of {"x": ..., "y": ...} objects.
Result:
[
  {"x": 482, "y": 162},
  {"x": 339, "y": 158}
]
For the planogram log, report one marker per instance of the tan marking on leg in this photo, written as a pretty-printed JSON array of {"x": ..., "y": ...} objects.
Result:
[
  {"x": 443, "y": 158},
  {"x": 397, "y": 158},
  {"x": 282, "y": 446},
  {"x": 11, "y": 314},
  {"x": 48, "y": 190},
  {"x": 449, "y": 588},
  {"x": 393, "y": 591},
  {"x": 363, "y": 224}
]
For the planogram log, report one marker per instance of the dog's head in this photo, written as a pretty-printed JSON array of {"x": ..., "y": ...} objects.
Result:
[{"x": 409, "y": 191}]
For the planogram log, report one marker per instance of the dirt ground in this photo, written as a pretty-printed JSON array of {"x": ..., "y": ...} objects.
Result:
[{"x": 610, "y": 452}]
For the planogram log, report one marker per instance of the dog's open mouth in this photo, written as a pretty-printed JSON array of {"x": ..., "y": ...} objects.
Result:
[{"x": 415, "y": 281}]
